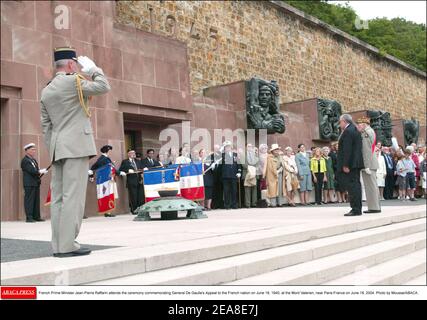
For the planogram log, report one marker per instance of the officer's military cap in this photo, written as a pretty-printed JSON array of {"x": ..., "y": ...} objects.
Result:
[
  {"x": 363, "y": 120},
  {"x": 66, "y": 53},
  {"x": 28, "y": 146}
]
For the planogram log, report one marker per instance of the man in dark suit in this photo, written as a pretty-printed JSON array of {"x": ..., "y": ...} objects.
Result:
[
  {"x": 231, "y": 171},
  {"x": 31, "y": 176},
  {"x": 350, "y": 162},
  {"x": 149, "y": 161},
  {"x": 129, "y": 168},
  {"x": 390, "y": 177},
  {"x": 218, "y": 194},
  {"x": 103, "y": 160}
]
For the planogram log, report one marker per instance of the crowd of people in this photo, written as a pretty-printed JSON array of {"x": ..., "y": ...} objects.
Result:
[
  {"x": 254, "y": 177},
  {"x": 273, "y": 176}
]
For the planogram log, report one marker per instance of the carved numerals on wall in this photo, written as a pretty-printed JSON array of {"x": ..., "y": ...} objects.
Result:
[{"x": 171, "y": 28}]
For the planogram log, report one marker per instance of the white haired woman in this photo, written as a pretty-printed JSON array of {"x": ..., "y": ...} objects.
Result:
[
  {"x": 381, "y": 173},
  {"x": 291, "y": 175}
]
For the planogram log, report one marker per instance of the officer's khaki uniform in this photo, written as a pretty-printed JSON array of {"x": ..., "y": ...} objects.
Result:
[
  {"x": 371, "y": 161},
  {"x": 69, "y": 137}
]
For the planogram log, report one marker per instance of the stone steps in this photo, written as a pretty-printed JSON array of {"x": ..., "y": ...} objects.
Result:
[
  {"x": 394, "y": 272},
  {"x": 418, "y": 281},
  {"x": 254, "y": 263},
  {"x": 338, "y": 265},
  {"x": 268, "y": 246}
]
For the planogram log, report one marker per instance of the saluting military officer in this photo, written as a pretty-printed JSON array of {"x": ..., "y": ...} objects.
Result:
[
  {"x": 369, "y": 174},
  {"x": 65, "y": 120}
]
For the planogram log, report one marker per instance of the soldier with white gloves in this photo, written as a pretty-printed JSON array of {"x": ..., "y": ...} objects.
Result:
[{"x": 68, "y": 133}]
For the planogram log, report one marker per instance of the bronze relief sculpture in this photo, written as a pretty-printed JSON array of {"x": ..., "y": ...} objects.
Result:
[
  {"x": 381, "y": 123},
  {"x": 411, "y": 129},
  {"x": 262, "y": 106},
  {"x": 329, "y": 112}
]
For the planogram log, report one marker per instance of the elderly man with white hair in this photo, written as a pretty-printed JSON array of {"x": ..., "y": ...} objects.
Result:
[{"x": 350, "y": 162}]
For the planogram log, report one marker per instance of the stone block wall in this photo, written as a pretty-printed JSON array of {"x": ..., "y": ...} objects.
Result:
[
  {"x": 148, "y": 74},
  {"x": 231, "y": 41}
]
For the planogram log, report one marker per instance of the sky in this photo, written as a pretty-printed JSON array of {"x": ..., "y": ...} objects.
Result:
[{"x": 410, "y": 10}]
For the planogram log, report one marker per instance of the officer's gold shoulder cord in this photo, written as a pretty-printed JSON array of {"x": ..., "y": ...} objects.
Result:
[{"x": 80, "y": 93}]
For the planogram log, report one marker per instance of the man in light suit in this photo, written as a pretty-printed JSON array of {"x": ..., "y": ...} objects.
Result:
[
  {"x": 65, "y": 120},
  {"x": 370, "y": 160}
]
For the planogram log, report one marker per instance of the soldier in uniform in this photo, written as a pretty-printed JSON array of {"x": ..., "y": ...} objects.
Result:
[
  {"x": 103, "y": 160},
  {"x": 65, "y": 120},
  {"x": 370, "y": 160},
  {"x": 31, "y": 176}
]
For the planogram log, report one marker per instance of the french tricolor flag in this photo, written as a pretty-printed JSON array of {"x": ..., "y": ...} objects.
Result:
[
  {"x": 159, "y": 179},
  {"x": 191, "y": 181},
  {"x": 105, "y": 187},
  {"x": 187, "y": 179}
]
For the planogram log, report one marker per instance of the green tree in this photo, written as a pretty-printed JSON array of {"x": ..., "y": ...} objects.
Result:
[{"x": 398, "y": 37}]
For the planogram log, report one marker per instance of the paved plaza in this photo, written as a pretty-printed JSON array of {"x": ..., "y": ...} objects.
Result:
[{"x": 125, "y": 247}]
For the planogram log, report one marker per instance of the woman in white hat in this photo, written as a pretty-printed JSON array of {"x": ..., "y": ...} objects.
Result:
[
  {"x": 274, "y": 177},
  {"x": 291, "y": 176}
]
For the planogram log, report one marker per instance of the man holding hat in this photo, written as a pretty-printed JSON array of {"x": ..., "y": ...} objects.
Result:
[
  {"x": 31, "y": 177},
  {"x": 370, "y": 160},
  {"x": 65, "y": 120},
  {"x": 103, "y": 160}
]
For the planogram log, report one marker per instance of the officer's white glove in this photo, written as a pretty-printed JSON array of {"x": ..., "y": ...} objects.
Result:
[
  {"x": 43, "y": 171},
  {"x": 145, "y": 169},
  {"x": 394, "y": 144},
  {"x": 368, "y": 171},
  {"x": 131, "y": 171},
  {"x": 238, "y": 175},
  {"x": 122, "y": 173},
  {"x": 90, "y": 172},
  {"x": 86, "y": 63},
  {"x": 213, "y": 166}
]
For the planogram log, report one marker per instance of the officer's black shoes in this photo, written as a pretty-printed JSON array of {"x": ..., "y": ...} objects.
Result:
[
  {"x": 79, "y": 252},
  {"x": 352, "y": 214},
  {"x": 372, "y": 211},
  {"x": 109, "y": 215},
  {"x": 39, "y": 220},
  {"x": 30, "y": 220}
]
